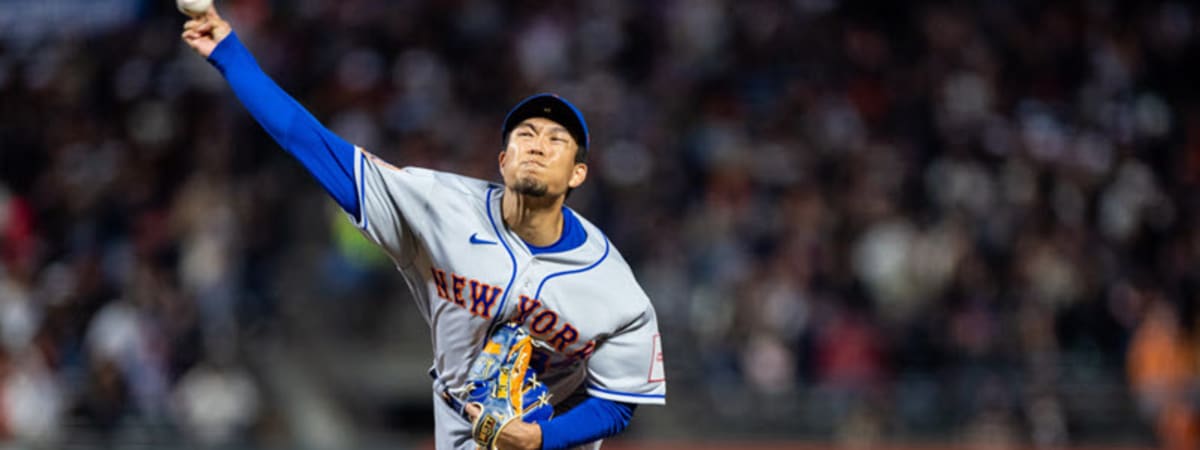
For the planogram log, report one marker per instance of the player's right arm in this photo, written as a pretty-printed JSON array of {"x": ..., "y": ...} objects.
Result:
[{"x": 328, "y": 157}]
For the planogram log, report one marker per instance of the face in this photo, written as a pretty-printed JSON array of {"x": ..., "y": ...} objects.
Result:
[{"x": 540, "y": 159}]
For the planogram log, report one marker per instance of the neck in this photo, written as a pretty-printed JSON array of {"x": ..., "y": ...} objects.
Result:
[{"x": 537, "y": 220}]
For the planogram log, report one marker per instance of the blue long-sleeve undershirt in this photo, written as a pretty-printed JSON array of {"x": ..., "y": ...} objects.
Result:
[
  {"x": 591, "y": 420},
  {"x": 328, "y": 157}
]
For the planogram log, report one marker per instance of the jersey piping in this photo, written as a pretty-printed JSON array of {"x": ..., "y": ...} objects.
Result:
[
  {"x": 628, "y": 397},
  {"x": 573, "y": 236},
  {"x": 538, "y": 294},
  {"x": 487, "y": 199},
  {"x": 361, "y": 220}
]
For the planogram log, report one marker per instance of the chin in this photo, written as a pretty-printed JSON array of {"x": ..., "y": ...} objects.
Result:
[{"x": 530, "y": 187}]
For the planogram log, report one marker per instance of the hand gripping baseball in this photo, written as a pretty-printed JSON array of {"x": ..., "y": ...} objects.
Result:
[
  {"x": 504, "y": 386},
  {"x": 203, "y": 32}
]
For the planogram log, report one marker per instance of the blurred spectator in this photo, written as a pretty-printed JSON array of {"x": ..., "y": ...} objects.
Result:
[
  {"x": 32, "y": 399},
  {"x": 216, "y": 403},
  {"x": 1165, "y": 375}
]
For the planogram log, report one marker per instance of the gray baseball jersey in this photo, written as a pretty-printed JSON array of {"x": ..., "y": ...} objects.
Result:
[{"x": 595, "y": 327}]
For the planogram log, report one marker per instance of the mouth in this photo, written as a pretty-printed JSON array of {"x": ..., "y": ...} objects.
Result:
[{"x": 533, "y": 163}]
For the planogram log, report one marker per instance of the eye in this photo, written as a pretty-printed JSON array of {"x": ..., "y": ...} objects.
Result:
[
  {"x": 557, "y": 139},
  {"x": 524, "y": 134}
]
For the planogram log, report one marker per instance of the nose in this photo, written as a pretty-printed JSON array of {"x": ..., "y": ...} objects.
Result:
[{"x": 537, "y": 147}]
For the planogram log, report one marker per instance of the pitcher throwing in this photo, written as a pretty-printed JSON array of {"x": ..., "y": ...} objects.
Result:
[{"x": 483, "y": 260}]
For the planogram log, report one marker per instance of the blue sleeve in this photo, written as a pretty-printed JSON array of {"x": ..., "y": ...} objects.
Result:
[
  {"x": 592, "y": 420},
  {"x": 328, "y": 157}
]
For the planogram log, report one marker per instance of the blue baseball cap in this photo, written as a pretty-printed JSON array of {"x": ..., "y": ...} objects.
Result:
[{"x": 552, "y": 107}]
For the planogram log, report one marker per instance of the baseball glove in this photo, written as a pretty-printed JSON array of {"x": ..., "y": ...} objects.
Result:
[{"x": 504, "y": 386}]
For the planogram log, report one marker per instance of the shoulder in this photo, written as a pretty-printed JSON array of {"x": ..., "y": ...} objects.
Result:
[
  {"x": 455, "y": 182},
  {"x": 609, "y": 257},
  {"x": 612, "y": 275},
  {"x": 610, "y": 260},
  {"x": 435, "y": 182}
]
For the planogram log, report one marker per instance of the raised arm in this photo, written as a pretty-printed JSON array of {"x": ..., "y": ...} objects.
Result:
[{"x": 328, "y": 157}]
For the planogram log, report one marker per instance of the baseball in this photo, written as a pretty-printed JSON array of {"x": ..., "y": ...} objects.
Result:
[{"x": 193, "y": 7}]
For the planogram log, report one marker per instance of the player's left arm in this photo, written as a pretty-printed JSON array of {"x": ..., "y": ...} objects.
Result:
[
  {"x": 592, "y": 420},
  {"x": 626, "y": 370}
]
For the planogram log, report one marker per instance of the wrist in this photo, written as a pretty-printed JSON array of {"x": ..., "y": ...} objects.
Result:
[
  {"x": 228, "y": 52},
  {"x": 534, "y": 439},
  {"x": 521, "y": 435}
]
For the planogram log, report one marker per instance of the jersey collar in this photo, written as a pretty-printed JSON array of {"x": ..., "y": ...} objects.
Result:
[{"x": 573, "y": 235}]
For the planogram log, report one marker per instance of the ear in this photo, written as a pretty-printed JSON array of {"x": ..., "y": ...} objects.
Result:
[
  {"x": 500, "y": 158},
  {"x": 578, "y": 174}
]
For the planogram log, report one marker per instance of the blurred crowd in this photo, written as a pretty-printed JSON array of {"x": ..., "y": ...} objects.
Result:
[{"x": 970, "y": 220}]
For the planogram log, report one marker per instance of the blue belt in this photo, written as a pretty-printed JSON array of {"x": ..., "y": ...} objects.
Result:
[{"x": 453, "y": 402}]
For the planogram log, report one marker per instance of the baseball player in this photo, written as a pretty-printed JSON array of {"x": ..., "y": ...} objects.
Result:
[{"x": 478, "y": 254}]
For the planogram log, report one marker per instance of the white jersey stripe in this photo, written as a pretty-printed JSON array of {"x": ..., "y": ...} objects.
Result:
[{"x": 626, "y": 397}]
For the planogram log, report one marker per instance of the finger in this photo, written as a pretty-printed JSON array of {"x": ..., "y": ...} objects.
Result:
[
  {"x": 473, "y": 410},
  {"x": 199, "y": 26},
  {"x": 211, "y": 14}
]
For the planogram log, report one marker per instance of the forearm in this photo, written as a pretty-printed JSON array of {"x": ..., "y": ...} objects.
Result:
[
  {"x": 590, "y": 421},
  {"x": 328, "y": 157}
]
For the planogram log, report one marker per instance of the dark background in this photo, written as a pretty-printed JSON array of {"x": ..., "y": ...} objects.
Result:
[{"x": 860, "y": 222}]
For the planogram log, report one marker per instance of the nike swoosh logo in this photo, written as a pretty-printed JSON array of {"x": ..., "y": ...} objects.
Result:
[{"x": 476, "y": 240}]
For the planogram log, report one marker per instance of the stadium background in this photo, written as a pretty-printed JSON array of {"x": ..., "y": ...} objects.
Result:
[{"x": 866, "y": 224}]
